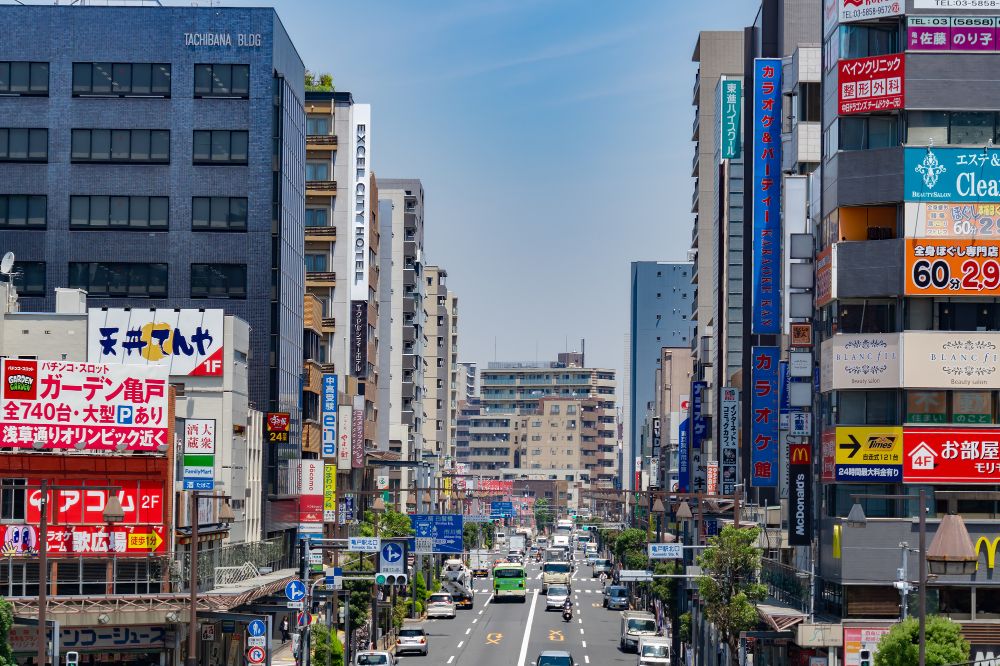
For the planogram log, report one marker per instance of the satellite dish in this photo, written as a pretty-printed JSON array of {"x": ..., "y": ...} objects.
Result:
[{"x": 7, "y": 263}]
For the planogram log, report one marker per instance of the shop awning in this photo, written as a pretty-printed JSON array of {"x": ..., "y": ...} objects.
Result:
[{"x": 780, "y": 618}]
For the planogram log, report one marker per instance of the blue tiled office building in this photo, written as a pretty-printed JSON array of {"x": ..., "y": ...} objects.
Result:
[{"x": 154, "y": 156}]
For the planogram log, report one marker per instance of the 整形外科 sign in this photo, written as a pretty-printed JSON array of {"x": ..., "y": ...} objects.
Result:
[{"x": 867, "y": 85}]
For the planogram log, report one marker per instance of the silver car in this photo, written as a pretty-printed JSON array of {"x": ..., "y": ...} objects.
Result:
[
  {"x": 556, "y": 596},
  {"x": 374, "y": 658},
  {"x": 412, "y": 639}
]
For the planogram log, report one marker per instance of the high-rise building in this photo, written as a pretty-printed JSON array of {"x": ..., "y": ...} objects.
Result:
[
  {"x": 506, "y": 387},
  {"x": 401, "y": 297},
  {"x": 660, "y": 306},
  {"x": 453, "y": 378},
  {"x": 437, "y": 375},
  {"x": 169, "y": 170},
  {"x": 466, "y": 381}
]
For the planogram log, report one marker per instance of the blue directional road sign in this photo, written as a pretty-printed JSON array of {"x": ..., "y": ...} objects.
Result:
[
  {"x": 295, "y": 590},
  {"x": 445, "y": 529},
  {"x": 256, "y": 628},
  {"x": 502, "y": 509},
  {"x": 392, "y": 559}
]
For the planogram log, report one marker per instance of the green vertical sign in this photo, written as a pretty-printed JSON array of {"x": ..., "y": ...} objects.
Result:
[{"x": 730, "y": 113}]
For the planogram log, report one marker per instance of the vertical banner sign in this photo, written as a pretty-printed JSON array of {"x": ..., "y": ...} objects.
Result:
[
  {"x": 329, "y": 416},
  {"x": 764, "y": 417},
  {"x": 731, "y": 104},
  {"x": 199, "y": 454},
  {"x": 330, "y": 492},
  {"x": 361, "y": 144},
  {"x": 358, "y": 433},
  {"x": 699, "y": 430},
  {"x": 278, "y": 426},
  {"x": 729, "y": 436},
  {"x": 344, "y": 438},
  {"x": 683, "y": 450},
  {"x": 359, "y": 339},
  {"x": 766, "y": 197},
  {"x": 800, "y": 480}
]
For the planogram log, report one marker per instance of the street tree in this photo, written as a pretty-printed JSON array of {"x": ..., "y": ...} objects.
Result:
[
  {"x": 543, "y": 514},
  {"x": 325, "y": 645},
  {"x": 6, "y": 622},
  {"x": 730, "y": 587},
  {"x": 945, "y": 644},
  {"x": 629, "y": 548}
]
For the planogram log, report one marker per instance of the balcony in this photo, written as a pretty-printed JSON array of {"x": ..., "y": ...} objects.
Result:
[
  {"x": 321, "y": 142},
  {"x": 321, "y": 234},
  {"x": 329, "y": 324},
  {"x": 863, "y": 269},
  {"x": 328, "y": 368},
  {"x": 695, "y": 127},
  {"x": 321, "y": 188},
  {"x": 321, "y": 279},
  {"x": 312, "y": 312},
  {"x": 311, "y": 436}
]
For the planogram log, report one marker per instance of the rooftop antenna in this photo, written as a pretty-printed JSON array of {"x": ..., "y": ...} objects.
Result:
[{"x": 7, "y": 263}]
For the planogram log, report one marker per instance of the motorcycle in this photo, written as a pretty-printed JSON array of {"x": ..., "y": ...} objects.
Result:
[{"x": 567, "y": 613}]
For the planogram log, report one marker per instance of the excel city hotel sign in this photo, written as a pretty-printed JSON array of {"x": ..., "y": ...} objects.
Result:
[
  {"x": 360, "y": 219},
  {"x": 766, "y": 196}
]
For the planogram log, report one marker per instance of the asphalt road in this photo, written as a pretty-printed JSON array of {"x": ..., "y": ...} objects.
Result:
[{"x": 510, "y": 633}]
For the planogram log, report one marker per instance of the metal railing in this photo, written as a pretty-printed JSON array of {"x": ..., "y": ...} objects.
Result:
[
  {"x": 231, "y": 564},
  {"x": 785, "y": 583}
]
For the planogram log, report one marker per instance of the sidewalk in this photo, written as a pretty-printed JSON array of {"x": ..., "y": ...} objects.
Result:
[{"x": 282, "y": 654}]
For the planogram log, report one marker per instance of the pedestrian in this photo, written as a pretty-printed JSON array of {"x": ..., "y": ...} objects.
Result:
[{"x": 284, "y": 630}]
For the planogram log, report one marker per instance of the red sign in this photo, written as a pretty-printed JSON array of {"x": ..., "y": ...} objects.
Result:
[
  {"x": 871, "y": 84},
  {"x": 960, "y": 455},
  {"x": 829, "y": 445},
  {"x": 84, "y": 540},
  {"x": 278, "y": 425},
  {"x": 141, "y": 500}
]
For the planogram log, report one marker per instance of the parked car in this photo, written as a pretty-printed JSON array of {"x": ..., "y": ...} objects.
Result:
[
  {"x": 412, "y": 639},
  {"x": 556, "y": 596},
  {"x": 554, "y": 658},
  {"x": 616, "y": 597},
  {"x": 654, "y": 651},
  {"x": 635, "y": 626},
  {"x": 374, "y": 658},
  {"x": 440, "y": 604}
]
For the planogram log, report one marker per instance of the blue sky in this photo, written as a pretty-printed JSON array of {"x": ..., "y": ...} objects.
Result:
[{"x": 553, "y": 139}]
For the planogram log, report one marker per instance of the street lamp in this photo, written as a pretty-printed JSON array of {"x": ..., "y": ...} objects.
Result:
[
  {"x": 226, "y": 516},
  {"x": 951, "y": 553}
]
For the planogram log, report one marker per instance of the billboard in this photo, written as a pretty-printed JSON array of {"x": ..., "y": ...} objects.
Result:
[
  {"x": 359, "y": 339},
  {"x": 951, "y": 174},
  {"x": 951, "y": 33},
  {"x": 764, "y": 417},
  {"x": 358, "y": 433},
  {"x": 344, "y": 416},
  {"x": 699, "y": 431},
  {"x": 85, "y": 540},
  {"x": 867, "y": 85},
  {"x": 730, "y": 115},
  {"x": 199, "y": 454},
  {"x": 186, "y": 342},
  {"x": 361, "y": 155},
  {"x": 934, "y": 359},
  {"x": 869, "y": 454},
  {"x": 952, "y": 220},
  {"x": 328, "y": 416},
  {"x": 683, "y": 453},
  {"x": 98, "y": 407},
  {"x": 330, "y": 492},
  {"x": 860, "y": 361},
  {"x": 952, "y": 267},
  {"x": 861, "y": 644},
  {"x": 309, "y": 482},
  {"x": 800, "y": 480},
  {"x": 829, "y": 453},
  {"x": 729, "y": 438},
  {"x": 766, "y": 197},
  {"x": 863, "y": 10},
  {"x": 951, "y": 455},
  {"x": 278, "y": 426}
]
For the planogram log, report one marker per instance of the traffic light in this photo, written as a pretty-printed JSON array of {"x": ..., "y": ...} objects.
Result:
[{"x": 391, "y": 579}]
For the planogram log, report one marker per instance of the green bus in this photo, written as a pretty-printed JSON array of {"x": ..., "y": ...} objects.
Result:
[{"x": 508, "y": 581}]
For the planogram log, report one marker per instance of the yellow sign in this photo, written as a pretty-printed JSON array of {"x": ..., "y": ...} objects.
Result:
[
  {"x": 149, "y": 541},
  {"x": 329, "y": 493},
  {"x": 991, "y": 550},
  {"x": 870, "y": 445},
  {"x": 494, "y": 639},
  {"x": 556, "y": 635}
]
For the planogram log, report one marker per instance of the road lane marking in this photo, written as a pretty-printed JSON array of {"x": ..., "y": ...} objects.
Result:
[
  {"x": 584, "y": 644},
  {"x": 480, "y": 612},
  {"x": 527, "y": 634},
  {"x": 581, "y": 620},
  {"x": 556, "y": 635},
  {"x": 581, "y": 631},
  {"x": 494, "y": 639},
  {"x": 451, "y": 659},
  {"x": 475, "y": 620},
  {"x": 461, "y": 643},
  {"x": 586, "y": 659},
  {"x": 468, "y": 631}
]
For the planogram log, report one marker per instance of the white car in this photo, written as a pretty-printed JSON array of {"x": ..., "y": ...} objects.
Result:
[
  {"x": 440, "y": 604},
  {"x": 556, "y": 596},
  {"x": 412, "y": 639},
  {"x": 370, "y": 658}
]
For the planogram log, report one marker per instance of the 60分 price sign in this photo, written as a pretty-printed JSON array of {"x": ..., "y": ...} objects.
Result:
[{"x": 952, "y": 267}]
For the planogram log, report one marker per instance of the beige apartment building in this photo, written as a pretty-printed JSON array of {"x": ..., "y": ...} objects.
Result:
[{"x": 440, "y": 359}]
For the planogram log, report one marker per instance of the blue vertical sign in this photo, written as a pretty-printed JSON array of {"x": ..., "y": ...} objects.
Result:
[
  {"x": 683, "y": 450},
  {"x": 698, "y": 425},
  {"x": 329, "y": 416},
  {"x": 764, "y": 409},
  {"x": 766, "y": 197}
]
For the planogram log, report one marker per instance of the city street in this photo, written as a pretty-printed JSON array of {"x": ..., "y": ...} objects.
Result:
[{"x": 509, "y": 633}]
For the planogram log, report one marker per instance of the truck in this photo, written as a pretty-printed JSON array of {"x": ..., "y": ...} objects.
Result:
[
  {"x": 560, "y": 540},
  {"x": 456, "y": 580},
  {"x": 480, "y": 563},
  {"x": 517, "y": 543}
]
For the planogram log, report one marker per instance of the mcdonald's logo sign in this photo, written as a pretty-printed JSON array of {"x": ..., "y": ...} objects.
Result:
[
  {"x": 799, "y": 454},
  {"x": 991, "y": 551}
]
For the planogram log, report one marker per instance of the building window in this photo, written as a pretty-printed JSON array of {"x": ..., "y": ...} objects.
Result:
[
  {"x": 24, "y": 78},
  {"x": 318, "y": 170},
  {"x": 218, "y": 281},
  {"x": 217, "y": 80},
  {"x": 121, "y": 79},
  {"x": 867, "y": 408},
  {"x": 24, "y": 145},
  {"x": 20, "y": 211},
  {"x": 220, "y": 146},
  {"x": 29, "y": 278},
  {"x": 119, "y": 280},
  {"x": 12, "y": 499},
  {"x": 219, "y": 213},
  {"x": 809, "y": 102},
  {"x": 975, "y": 128},
  {"x": 868, "y": 132},
  {"x": 318, "y": 125},
  {"x": 554, "y": 409},
  {"x": 104, "y": 212},
  {"x": 316, "y": 263},
  {"x": 316, "y": 217},
  {"x": 861, "y": 41},
  {"x": 111, "y": 145}
]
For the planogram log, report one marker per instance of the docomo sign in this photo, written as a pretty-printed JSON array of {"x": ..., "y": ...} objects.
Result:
[
  {"x": 361, "y": 163},
  {"x": 63, "y": 405},
  {"x": 960, "y": 455},
  {"x": 870, "y": 84},
  {"x": 952, "y": 267}
]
